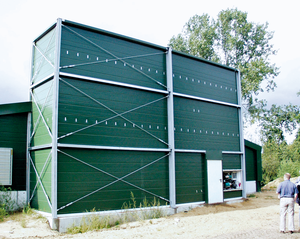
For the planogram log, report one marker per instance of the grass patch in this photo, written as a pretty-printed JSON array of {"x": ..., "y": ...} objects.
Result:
[
  {"x": 131, "y": 212},
  {"x": 252, "y": 196},
  {"x": 3, "y": 213}
]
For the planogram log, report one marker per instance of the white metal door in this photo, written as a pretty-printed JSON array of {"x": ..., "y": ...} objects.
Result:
[{"x": 215, "y": 181}]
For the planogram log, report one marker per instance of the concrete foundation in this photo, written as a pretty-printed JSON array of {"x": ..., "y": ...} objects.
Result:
[
  {"x": 65, "y": 221},
  {"x": 14, "y": 199}
]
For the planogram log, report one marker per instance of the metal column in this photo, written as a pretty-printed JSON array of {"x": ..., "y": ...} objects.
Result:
[
  {"x": 55, "y": 124},
  {"x": 172, "y": 184},
  {"x": 27, "y": 159},
  {"x": 242, "y": 143}
]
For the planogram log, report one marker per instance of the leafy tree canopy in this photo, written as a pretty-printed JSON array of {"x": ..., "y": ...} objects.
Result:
[
  {"x": 234, "y": 41},
  {"x": 278, "y": 119}
]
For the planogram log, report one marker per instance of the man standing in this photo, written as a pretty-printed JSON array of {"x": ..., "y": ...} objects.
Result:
[{"x": 288, "y": 193}]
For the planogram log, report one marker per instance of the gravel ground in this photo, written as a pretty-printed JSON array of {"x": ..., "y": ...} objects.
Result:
[{"x": 255, "y": 217}]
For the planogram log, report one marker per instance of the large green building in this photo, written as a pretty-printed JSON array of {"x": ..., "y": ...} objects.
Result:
[{"x": 113, "y": 115}]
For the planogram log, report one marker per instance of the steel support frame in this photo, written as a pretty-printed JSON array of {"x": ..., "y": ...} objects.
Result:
[
  {"x": 171, "y": 137},
  {"x": 170, "y": 114},
  {"x": 242, "y": 142},
  {"x": 55, "y": 124},
  {"x": 28, "y": 159}
]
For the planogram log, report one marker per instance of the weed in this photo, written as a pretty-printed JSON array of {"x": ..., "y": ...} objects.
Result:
[
  {"x": 90, "y": 223},
  {"x": 252, "y": 196},
  {"x": 147, "y": 210},
  {"x": 27, "y": 210},
  {"x": 3, "y": 213},
  {"x": 5, "y": 202}
]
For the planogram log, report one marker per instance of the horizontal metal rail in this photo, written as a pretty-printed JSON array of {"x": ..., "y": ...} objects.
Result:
[
  {"x": 82, "y": 146},
  {"x": 206, "y": 100},
  {"x": 232, "y": 152},
  {"x": 110, "y": 82},
  {"x": 190, "y": 151},
  {"x": 42, "y": 81},
  {"x": 39, "y": 147}
]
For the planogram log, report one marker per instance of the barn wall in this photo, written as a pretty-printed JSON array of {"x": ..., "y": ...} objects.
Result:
[
  {"x": 13, "y": 134},
  {"x": 113, "y": 121}
]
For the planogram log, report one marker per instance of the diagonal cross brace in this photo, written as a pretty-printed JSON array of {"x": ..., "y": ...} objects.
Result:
[
  {"x": 33, "y": 191},
  {"x": 39, "y": 179},
  {"x": 38, "y": 120},
  {"x": 43, "y": 57},
  {"x": 47, "y": 127},
  {"x": 113, "y": 55},
  {"x": 117, "y": 179},
  {"x": 116, "y": 113}
]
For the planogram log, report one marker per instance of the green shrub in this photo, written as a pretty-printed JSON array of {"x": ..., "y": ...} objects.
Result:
[
  {"x": 5, "y": 199},
  {"x": 288, "y": 166},
  {"x": 3, "y": 213}
]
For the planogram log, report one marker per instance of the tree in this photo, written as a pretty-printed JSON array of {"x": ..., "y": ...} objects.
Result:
[
  {"x": 277, "y": 120},
  {"x": 234, "y": 41},
  {"x": 279, "y": 158},
  {"x": 198, "y": 38},
  {"x": 271, "y": 159}
]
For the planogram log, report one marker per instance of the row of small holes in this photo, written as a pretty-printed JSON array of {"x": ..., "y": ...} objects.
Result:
[
  {"x": 156, "y": 71},
  {"x": 116, "y": 62},
  {"x": 165, "y": 128},
  {"x": 205, "y": 83}
]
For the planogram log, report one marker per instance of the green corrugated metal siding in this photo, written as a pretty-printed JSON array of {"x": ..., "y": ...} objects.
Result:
[
  {"x": 204, "y": 80},
  {"x": 251, "y": 172},
  {"x": 43, "y": 57},
  {"x": 15, "y": 108},
  {"x": 13, "y": 134},
  {"x": 94, "y": 56},
  {"x": 77, "y": 179},
  {"x": 101, "y": 56},
  {"x": 253, "y": 163},
  {"x": 190, "y": 177},
  {"x": 232, "y": 194},
  {"x": 103, "y": 104},
  {"x": 42, "y": 161},
  {"x": 202, "y": 125},
  {"x": 44, "y": 97},
  {"x": 232, "y": 161}
]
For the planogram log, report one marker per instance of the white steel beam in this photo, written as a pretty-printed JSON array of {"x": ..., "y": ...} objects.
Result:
[
  {"x": 27, "y": 158},
  {"x": 55, "y": 124},
  {"x": 171, "y": 138},
  {"x": 242, "y": 143},
  {"x": 207, "y": 100},
  {"x": 200, "y": 151},
  {"x": 82, "y": 146},
  {"x": 110, "y": 82}
]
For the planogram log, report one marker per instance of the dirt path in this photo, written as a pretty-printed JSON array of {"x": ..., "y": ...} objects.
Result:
[{"x": 256, "y": 217}]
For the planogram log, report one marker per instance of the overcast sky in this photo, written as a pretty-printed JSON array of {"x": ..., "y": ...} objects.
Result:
[{"x": 155, "y": 21}]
